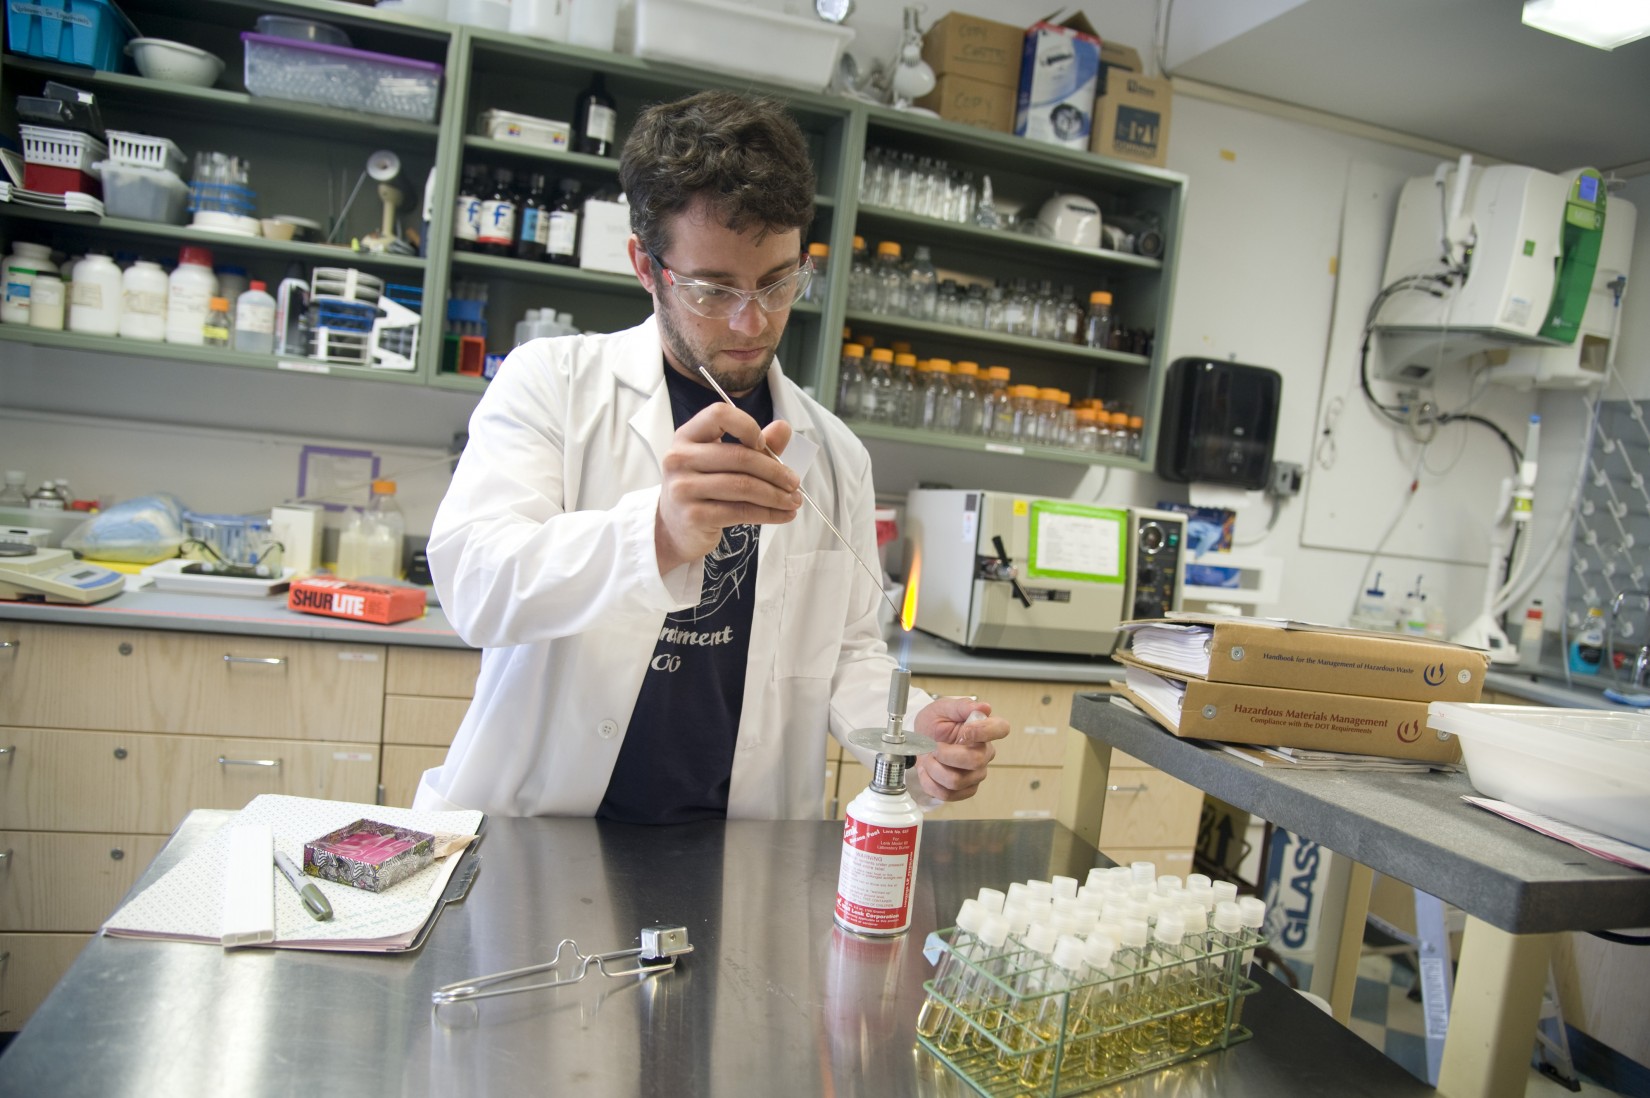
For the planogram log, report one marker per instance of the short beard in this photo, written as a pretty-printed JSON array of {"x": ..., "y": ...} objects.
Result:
[{"x": 738, "y": 380}]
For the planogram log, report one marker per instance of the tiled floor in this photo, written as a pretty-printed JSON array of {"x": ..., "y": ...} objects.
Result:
[{"x": 1385, "y": 1016}]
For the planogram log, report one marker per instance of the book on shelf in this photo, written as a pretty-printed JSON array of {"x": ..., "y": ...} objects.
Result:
[
  {"x": 1273, "y": 717},
  {"x": 1295, "y": 655}
]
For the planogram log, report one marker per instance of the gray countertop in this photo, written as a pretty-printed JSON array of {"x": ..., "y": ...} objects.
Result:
[
  {"x": 1413, "y": 827},
  {"x": 774, "y": 999}
]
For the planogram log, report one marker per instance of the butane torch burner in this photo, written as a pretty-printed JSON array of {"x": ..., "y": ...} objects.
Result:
[
  {"x": 882, "y": 828},
  {"x": 894, "y": 739}
]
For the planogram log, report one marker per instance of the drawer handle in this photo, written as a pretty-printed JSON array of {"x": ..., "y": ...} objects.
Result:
[
  {"x": 224, "y": 760},
  {"x": 267, "y": 661},
  {"x": 7, "y": 753},
  {"x": 5, "y": 856},
  {"x": 11, "y": 644},
  {"x": 1141, "y": 788}
]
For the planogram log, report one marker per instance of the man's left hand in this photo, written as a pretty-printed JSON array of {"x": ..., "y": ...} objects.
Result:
[{"x": 955, "y": 769}]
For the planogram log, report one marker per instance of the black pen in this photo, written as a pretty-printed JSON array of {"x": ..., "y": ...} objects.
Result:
[{"x": 314, "y": 902}]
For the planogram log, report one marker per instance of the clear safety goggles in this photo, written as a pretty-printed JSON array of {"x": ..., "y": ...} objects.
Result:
[{"x": 714, "y": 301}]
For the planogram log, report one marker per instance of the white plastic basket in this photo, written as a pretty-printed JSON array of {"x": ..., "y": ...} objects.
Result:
[
  {"x": 138, "y": 150},
  {"x": 61, "y": 148}
]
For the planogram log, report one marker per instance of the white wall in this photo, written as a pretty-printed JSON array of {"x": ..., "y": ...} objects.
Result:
[{"x": 1261, "y": 264}]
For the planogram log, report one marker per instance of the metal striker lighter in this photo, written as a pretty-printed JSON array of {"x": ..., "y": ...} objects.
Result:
[{"x": 883, "y": 829}]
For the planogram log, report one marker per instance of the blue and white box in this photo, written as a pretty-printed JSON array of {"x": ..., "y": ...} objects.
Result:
[{"x": 1059, "y": 79}]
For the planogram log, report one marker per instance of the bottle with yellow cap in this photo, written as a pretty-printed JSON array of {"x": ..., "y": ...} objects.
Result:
[
  {"x": 936, "y": 393},
  {"x": 370, "y": 545},
  {"x": 821, "y": 255},
  {"x": 850, "y": 380},
  {"x": 862, "y": 294},
  {"x": 962, "y": 413},
  {"x": 876, "y": 402},
  {"x": 996, "y": 419},
  {"x": 906, "y": 390},
  {"x": 1137, "y": 425},
  {"x": 1023, "y": 400},
  {"x": 890, "y": 280},
  {"x": 1097, "y": 326}
]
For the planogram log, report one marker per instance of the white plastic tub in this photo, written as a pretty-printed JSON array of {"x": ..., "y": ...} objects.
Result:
[
  {"x": 764, "y": 45},
  {"x": 143, "y": 194},
  {"x": 1583, "y": 766},
  {"x": 333, "y": 76}
]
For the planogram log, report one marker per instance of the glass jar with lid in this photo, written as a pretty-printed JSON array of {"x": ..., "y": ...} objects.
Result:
[
  {"x": 963, "y": 413},
  {"x": 906, "y": 392},
  {"x": 850, "y": 381},
  {"x": 876, "y": 403},
  {"x": 1023, "y": 402},
  {"x": 936, "y": 393},
  {"x": 994, "y": 404}
]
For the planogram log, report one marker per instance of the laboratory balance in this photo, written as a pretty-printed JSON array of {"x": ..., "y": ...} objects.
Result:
[{"x": 32, "y": 574}]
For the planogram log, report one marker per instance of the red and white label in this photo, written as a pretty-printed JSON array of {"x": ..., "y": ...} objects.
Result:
[{"x": 873, "y": 889}]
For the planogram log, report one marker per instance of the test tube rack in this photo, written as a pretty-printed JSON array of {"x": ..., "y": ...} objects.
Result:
[{"x": 1153, "y": 1015}]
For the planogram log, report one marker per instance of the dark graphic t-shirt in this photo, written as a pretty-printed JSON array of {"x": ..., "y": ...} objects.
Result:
[{"x": 677, "y": 757}]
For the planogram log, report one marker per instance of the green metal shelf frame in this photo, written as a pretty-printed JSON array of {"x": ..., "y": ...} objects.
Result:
[{"x": 846, "y": 127}]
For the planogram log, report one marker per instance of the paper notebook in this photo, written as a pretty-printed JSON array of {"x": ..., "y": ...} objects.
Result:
[{"x": 187, "y": 903}]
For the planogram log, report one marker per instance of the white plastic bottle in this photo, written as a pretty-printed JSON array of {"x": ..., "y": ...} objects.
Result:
[
  {"x": 1374, "y": 611},
  {"x": 881, "y": 837},
  {"x": 46, "y": 302},
  {"x": 95, "y": 296},
  {"x": 20, "y": 268},
  {"x": 143, "y": 293},
  {"x": 370, "y": 544},
  {"x": 189, "y": 294},
  {"x": 255, "y": 320}
]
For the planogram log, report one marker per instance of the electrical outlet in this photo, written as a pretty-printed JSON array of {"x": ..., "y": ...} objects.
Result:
[{"x": 1286, "y": 479}]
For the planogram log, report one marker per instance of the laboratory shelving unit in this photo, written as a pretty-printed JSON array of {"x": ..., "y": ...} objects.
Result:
[{"x": 305, "y": 158}]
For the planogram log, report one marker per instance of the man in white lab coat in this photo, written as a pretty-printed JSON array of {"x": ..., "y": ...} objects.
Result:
[{"x": 668, "y": 632}]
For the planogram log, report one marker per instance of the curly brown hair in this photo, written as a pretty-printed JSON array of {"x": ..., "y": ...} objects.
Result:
[{"x": 745, "y": 154}]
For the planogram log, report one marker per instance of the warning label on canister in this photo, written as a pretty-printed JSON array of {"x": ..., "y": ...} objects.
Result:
[{"x": 873, "y": 890}]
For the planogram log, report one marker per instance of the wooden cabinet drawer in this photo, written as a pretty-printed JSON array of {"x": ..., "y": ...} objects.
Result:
[
  {"x": 432, "y": 672},
  {"x": 141, "y": 680},
  {"x": 1038, "y": 712},
  {"x": 131, "y": 782},
  {"x": 1172, "y": 860},
  {"x": 54, "y": 880},
  {"x": 424, "y": 722},
  {"x": 30, "y": 966},
  {"x": 403, "y": 767},
  {"x": 1008, "y": 793},
  {"x": 1149, "y": 808}
]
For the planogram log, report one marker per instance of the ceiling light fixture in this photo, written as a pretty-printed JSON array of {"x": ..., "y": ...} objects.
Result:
[{"x": 1604, "y": 24}]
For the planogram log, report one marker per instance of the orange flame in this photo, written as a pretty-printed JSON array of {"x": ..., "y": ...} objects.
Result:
[{"x": 908, "y": 615}]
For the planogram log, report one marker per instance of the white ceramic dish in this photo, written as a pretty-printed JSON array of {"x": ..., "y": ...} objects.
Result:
[
  {"x": 1589, "y": 767},
  {"x": 174, "y": 62},
  {"x": 214, "y": 221}
]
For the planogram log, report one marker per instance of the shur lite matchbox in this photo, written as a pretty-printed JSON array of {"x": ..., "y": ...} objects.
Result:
[{"x": 357, "y": 601}]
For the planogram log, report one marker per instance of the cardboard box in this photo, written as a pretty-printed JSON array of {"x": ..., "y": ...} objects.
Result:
[
  {"x": 972, "y": 102},
  {"x": 1310, "y": 719},
  {"x": 1059, "y": 79},
  {"x": 1299, "y": 656},
  {"x": 975, "y": 48},
  {"x": 1131, "y": 119},
  {"x": 372, "y": 602},
  {"x": 604, "y": 234}
]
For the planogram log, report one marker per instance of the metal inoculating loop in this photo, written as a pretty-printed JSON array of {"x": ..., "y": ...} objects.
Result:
[{"x": 660, "y": 947}]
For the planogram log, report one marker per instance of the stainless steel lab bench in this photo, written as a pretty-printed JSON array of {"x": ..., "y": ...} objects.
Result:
[{"x": 774, "y": 999}]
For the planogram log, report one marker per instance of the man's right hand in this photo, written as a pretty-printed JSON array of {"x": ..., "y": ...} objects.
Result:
[{"x": 710, "y": 484}]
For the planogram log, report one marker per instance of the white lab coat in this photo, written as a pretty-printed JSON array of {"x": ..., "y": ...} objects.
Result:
[{"x": 543, "y": 555}]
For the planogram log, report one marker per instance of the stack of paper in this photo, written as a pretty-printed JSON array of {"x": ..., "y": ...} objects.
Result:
[
  {"x": 1291, "y": 758},
  {"x": 187, "y": 903}
]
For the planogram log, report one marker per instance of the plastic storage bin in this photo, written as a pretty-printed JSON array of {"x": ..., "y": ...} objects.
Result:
[
  {"x": 61, "y": 148},
  {"x": 332, "y": 76},
  {"x": 76, "y": 32},
  {"x": 1586, "y": 767},
  {"x": 143, "y": 194},
  {"x": 138, "y": 150},
  {"x": 734, "y": 38},
  {"x": 541, "y": 133}
]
